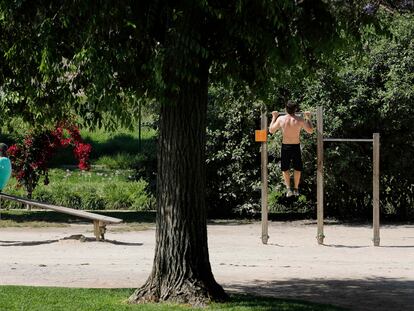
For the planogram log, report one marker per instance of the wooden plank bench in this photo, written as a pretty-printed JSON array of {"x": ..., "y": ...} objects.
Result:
[{"x": 99, "y": 221}]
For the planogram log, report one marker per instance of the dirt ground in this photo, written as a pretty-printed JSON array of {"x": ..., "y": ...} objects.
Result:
[{"x": 347, "y": 271}]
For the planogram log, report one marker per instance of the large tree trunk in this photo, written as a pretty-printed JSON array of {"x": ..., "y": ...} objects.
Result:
[{"x": 181, "y": 270}]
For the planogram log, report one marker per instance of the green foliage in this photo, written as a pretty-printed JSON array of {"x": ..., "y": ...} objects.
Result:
[
  {"x": 233, "y": 165},
  {"x": 370, "y": 93},
  {"x": 25, "y": 298},
  {"x": 94, "y": 190}
]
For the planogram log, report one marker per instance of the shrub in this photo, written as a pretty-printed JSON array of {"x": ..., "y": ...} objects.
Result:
[
  {"x": 31, "y": 155},
  {"x": 367, "y": 94},
  {"x": 232, "y": 155},
  {"x": 90, "y": 191}
]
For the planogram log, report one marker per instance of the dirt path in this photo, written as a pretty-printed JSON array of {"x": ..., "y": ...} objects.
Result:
[{"x": 348, "y": 271}]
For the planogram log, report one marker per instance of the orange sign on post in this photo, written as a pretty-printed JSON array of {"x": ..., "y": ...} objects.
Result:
[{"x": 260, "y": 135}]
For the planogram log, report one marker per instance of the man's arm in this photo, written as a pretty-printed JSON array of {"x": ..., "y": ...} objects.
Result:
[
  {"x": 307, "y": 123},
  {"x": 274, "y": 125}
]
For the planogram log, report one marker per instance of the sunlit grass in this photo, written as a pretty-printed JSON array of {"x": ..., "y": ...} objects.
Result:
[
  {"x": 30, "y": 224},
  {"x": 21, "y": 298},
  {"x": 130, "y": 227}
]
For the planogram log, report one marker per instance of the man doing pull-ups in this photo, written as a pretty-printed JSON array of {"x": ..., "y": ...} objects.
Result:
[{"x": 291, "y": 125}]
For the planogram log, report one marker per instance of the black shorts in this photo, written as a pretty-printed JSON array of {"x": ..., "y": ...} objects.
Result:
[{"x": 291, "y": 153}]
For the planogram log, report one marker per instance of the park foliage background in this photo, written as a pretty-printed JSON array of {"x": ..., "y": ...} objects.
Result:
[{"x": 361, "y": 93}]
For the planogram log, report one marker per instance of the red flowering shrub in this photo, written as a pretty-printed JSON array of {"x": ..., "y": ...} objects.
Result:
[{"x": 30, "y": 157}]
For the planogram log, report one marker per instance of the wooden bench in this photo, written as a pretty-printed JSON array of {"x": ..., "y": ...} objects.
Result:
[{"x": 99, "y": 221}]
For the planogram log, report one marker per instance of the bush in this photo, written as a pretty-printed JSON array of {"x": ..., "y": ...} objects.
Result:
[
  {"x": 94, "y": 190},
  {"x": 372, "y": 93},
  {"x": 233, "y": 163}
]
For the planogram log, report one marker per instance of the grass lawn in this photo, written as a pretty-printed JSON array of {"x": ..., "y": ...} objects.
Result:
[
  {"x": 21, "y": 298},
  {"x": 7, "y": 223}
]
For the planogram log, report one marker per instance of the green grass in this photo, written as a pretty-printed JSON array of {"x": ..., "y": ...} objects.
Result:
[
  {"x": 21, "y": 298},
  {"x": 130, "y": 227},
  {"x": 108, "y": 143},
  {"x": 30, "y": 224}
]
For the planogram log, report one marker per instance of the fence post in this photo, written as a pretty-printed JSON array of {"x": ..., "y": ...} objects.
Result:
[
  {"x": 264, "y": 160},
  {"x": 319, "y": 175},
  {"x": 375, "y": 188}
]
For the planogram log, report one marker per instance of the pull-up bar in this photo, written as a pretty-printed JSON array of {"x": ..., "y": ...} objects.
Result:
[
  {"x": 349, "y": 139},
  {"x": 299, "y": 113},
  {"x": 320, "y": 185},
  {"x": 261, "y": 136}
]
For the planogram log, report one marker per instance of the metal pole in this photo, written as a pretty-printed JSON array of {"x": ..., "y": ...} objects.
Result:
[
  {"x": 265, "y": 235},
  {"x": 283, "y": 113},
  {"x": 319, "y": 175},
  {"x": 139, "y": 125},
  {"x": 375, "y": 188},
  {"x": 349, "y": 139}
]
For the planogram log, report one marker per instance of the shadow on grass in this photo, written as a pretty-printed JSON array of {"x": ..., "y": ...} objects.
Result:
[
  {"x": 121, "y": 143},
  {"x": 253, "y": 302},
  {"x": 376, "y": 294}
]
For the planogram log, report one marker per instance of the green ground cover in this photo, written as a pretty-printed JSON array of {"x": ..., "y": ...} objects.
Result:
[
  {"x": 21, "y": 298},
  {"x": 30, "y": 224},
  {"x": 94, "y": 190}
]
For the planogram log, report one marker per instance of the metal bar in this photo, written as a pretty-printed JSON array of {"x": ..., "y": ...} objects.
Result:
[
  {"x": 349, "y": 139},
  {"x": 375, "y": 189},
  {"x": 282, "y": 113},
  {"x": 319, "y": 175},
  {"x": 265, "y": 235}
]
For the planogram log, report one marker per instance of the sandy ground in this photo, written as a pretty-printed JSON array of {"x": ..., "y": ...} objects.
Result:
[{"x": 347, "y": 271}]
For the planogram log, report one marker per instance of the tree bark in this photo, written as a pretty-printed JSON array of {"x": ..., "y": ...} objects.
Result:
[{"x": 181, "y": 269}]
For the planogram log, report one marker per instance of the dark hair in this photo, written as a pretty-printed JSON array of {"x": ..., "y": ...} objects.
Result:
[
  {"x": 3, "y": 148},
  {"x": 291, "y": 107}
]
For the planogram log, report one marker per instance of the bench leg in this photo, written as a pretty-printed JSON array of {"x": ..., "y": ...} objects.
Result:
[
  {"x": 99, "y": 229},
  {"x": 102, "y": 229}
]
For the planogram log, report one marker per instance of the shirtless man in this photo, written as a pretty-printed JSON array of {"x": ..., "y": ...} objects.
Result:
[{"x": 290, "y": 124}]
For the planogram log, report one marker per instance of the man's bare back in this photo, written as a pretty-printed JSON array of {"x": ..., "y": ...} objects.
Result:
[{"x": 290, "y": 126}]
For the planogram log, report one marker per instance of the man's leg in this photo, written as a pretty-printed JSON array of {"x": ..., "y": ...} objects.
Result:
[
  {"x": 286, "y": 178},
  {"x": 297, "y": 166},
  {"x": 296, "y": 178},
  {"x": 285, "y": 163}
]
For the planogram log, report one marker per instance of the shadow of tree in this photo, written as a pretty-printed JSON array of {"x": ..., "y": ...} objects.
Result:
[
  {"x": 250, "y": 302},
  {"x": 373, "y": 294},
  {"x": 78, "y": 237},
  {"x": 26, "y": 243}
]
